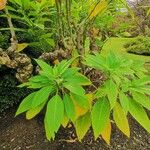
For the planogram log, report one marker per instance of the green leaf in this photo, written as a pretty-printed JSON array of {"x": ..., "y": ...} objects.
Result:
[
  {"x": 82, "y": 125},
  {"x": 25, "y": 104},
  {"x": 141, "y": 99},
  {"x": 70, "y": 72},
  {"x": 78, "y": 79},
  {"x": 39, "y": 78},
  {"x": 41, "y": 96},
  {"x": 137, "y": 111},
  {"x": 69, "y": 107},
  {"x": 47, "y": 69},
  {"x": 76, "y": 89},
  {"x": 112, "y": 92},
  {"x": 54, "y": 113},
  {"x": 96, "y": 61},
  {"x": 140, "y": 82},
  {"x": 124, "y": 101},
  {"x": 64, "y": 65},
  {"x": 101, "y": 92},
  {"x": 112, "y": 60},
  {"x": 121, "y": 119},
  {"x": 100, "y": 116},
  {"x": 82, "y": 101},
  {"x": 49, "y": 133}
]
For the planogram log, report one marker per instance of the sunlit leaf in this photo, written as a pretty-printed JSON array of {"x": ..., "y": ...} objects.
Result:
[
  {"x": 100, "y": 116},
  {"x": 121, "y": 119},
  {"x": 97, "y": 8},
  {"x": 106, "y": 133},
  {"x": 34, "y": 111},
  {"x": 21, "y": 47},
  {"x": 82, "y": 125},
  {"x": 137, "y": 111},
  {"x": 25, "y": 104}
]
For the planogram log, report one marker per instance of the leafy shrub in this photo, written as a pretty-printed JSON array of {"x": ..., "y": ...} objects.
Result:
[
  {"x": 124, "y": 92},
  {"x": 140, "y": 45},
  {"x": 10, "y": 95},
  {"x": 32, "y": 21},
  {"x": 60, "y": 88},
  {"x": 4, "y": 40}
]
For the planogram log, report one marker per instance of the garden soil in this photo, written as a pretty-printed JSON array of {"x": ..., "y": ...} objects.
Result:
[{"x": 21, "y": 134}]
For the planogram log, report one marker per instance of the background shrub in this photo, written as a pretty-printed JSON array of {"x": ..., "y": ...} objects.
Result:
[{"x": 10, "y": 94}]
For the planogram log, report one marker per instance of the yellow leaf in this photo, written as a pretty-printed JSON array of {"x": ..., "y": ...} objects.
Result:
[
  {"x": 90, "y": 98},
  {"x": 106, "y": 133},
  {"x": 65, "y": 121},
  {"x": 21, "y": 46},
  {"x": 121, "y": 120},
  {"x": 74, "y": 54},
  {"x": 78, "y": 109},
  {"x": 97, "y": 8},
  {"x": 55, "y": 62},
  {"x": 2, "y": 4},
  {"x": 33, "y": 112}
]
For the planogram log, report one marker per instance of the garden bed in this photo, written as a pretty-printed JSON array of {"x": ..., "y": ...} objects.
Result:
[{"x": 20, "y": 134}]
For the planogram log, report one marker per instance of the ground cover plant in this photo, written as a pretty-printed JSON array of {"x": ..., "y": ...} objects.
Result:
[{"x": 71, "y": 34}]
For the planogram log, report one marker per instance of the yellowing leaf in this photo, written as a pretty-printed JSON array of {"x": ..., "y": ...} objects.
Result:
[
  {"x": 2, "y": 4},
  {"x": 33, "y": 112},
  {"x": 121, "y": 119},
  {"x": 74, "y": 53},
  {"x": 90, "y": 98},
  {"x": 56, "y": 62},
  {"x": 65, "y": 121},
  {"x": 82, "y": 125},
  {"x": 106, "y": 133},
  {"x": 79, "y": 110},
  {"x": 97, "y": 8},
  {"x": 21, "y": 46}
]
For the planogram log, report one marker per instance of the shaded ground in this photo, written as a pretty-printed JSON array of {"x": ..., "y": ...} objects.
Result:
[{"x": 20, "y": 134}]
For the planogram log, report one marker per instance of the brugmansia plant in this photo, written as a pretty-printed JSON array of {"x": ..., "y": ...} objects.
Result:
[
  {"x": 125, "y": 91},
  {"x": 60, "y": 88}
]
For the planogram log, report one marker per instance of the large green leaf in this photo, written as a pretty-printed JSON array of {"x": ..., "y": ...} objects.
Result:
[
  {"x": 137, "y": 111},
  {"x": 112, "y": 61},
  {"x": 82, "y": 101},
  {"x": 63, "y": 65},
  {"x": 121, "y": 119},
  {"x": 47, "y": 69},
  {"x": 96, "y": 61},
  {"x": 76, "y": 89},
  {"x": 78, "y": 79},
  {"x": 39, "y": 78},
  {"x": 25, "y": 104},
  {"x": 54, "y": 113},
  {"x": 41, "y": 96},
  {"x": 69, "y": 107},
  {"x": 70, "y": 72},
  {"x": 124, "y": 101},
  {"x": 112, "y": 92},
  {"x": 141, "y": 99},
  {"x": 82, "y": 125},
  {"x": 100, "y": 116}
]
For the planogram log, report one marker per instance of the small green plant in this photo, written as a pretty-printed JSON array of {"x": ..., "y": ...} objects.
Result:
[
  {"x": 139, "y": 45},
  {"x": 124, "y": 92},
  {"x": 60, "y": 88}
]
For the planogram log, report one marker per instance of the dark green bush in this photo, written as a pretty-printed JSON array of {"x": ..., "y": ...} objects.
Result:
[
  {"x": 141, "y": 46},
  {"x": 10, "y": 94}
]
